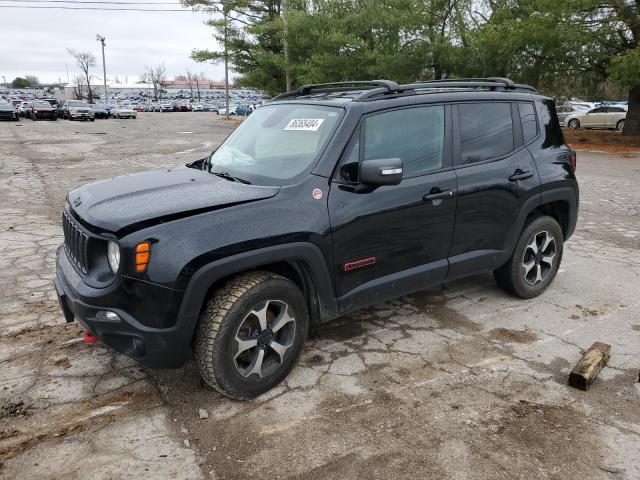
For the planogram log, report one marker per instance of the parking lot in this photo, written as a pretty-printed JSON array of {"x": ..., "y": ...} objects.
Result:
[{"x": 462, "y": 382}]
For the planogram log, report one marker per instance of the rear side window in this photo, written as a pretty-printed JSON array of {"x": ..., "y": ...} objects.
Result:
[
  {"x": 528, "y": 120},
  {"x": 416, "y": 135},
  {"x": 550, "y": 124},
  {"x": 486, "y": 130}
]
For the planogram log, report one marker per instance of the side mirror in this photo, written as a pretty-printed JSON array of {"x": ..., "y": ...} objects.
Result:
[{"x": 381, "y": 171}]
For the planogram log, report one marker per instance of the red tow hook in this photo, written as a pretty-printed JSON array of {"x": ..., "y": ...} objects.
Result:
[{"x": 88, "y": 338}]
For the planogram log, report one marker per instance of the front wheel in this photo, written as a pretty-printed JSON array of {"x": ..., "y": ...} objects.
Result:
[
  {"x": 250, "y": 334},
  {"x": 535, "y": 259},
  {"x": 620, "y": 126},
  {"x": 574, "y": 123}
]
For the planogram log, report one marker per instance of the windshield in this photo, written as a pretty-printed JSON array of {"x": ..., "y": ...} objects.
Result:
[
  {"x": 5, "y": 104},
  {"x": 277, "y": 142},
  {"x": 78, "y": 104},
  {"x": 41, "y": 105}
]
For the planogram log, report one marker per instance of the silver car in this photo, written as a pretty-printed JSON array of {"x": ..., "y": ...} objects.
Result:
[{"x": 601, "y": 117}]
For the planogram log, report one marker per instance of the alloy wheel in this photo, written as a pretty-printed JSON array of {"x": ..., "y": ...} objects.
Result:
[
  {"x": 263, "y": 338},
  {"x": 538, "y": 259},
  {"x": 621, "y": 125}
]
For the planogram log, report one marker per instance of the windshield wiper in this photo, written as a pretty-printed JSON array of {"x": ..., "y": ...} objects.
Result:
[{"x": 227, "y": 176}]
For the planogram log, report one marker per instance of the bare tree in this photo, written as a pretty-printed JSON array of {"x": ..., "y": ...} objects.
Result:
[
  {"x": 155, "y": 76},
  {"x": 78, "y": 87},
  {"x": 190, "y": 79},
  {"x": 84, "y": 60}
]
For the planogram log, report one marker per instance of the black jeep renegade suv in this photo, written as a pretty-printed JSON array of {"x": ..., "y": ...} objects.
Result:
[{"x": 326, "y": 200}]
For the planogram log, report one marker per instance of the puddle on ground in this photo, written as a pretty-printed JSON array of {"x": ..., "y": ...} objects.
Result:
[
  {"x": 436, "y": 305},
  {"x": 512, "y": 336}
]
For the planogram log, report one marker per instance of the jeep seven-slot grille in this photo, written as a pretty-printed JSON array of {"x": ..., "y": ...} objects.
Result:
[{"x": 75, "y": 243}]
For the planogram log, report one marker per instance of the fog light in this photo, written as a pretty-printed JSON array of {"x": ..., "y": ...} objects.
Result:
[{"x": 107, "y": 316}]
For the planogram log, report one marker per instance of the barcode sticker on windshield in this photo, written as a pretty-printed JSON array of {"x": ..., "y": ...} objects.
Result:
[{"x": 305, "y": 124}]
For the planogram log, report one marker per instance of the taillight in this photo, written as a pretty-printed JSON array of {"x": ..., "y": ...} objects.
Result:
[{"x": 573, "y": 159}]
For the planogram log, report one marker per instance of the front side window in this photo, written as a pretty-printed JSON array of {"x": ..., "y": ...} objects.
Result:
[
  {"x": 486, "y": 130},
  {"x": 277, "y": 142},
  {"x": 415, "y": 135}
]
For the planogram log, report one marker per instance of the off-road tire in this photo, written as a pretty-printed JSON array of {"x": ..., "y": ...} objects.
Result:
[
  {"x": 511, "y": 277},
  {"x": 225, "y": 311}
]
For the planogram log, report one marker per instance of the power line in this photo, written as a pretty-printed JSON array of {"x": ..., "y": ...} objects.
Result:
[
  {"x": 91, "y": 1},
  {"x": 93, "y": 8}
]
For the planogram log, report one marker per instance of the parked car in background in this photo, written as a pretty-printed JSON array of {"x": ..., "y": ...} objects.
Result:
[
  {"x": 244, "y": 110},
  {"x": 100, "y": 111},
  {"x": 8, "y": 111},
  {"x": 601, "y": 117},
  {"x": 124, "y": 111},
  {"x": 565, "y": 110},
  {"x": 165, "y": 107},
  {"x": 223, "y": 110},
  {"x": 139, "y": 107},
  {"x": 197, "y": 107},
  {"x": 41, "y": 109},
  {"x": 77, "y": 110},
  {"x": 52, "y": 101},
  {"x": 23, "y": 109}
]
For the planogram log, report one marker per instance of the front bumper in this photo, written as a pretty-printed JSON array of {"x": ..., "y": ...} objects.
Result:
[
  {"x": 131, "y": 335},
  {"x": 81, "y": 115}
]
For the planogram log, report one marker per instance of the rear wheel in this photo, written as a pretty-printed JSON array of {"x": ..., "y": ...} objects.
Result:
[
  {"x": 250, "y": 334},
  {"x": 535, "y": 259},
  {"x": 620, "y": 126},
  {"x": 574, "y": 123}
]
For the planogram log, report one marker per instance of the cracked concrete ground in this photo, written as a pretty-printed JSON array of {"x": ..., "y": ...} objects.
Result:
[{"x": 459, "y": 382}]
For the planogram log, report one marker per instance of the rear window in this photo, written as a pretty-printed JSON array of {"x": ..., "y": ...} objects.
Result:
[
  {"x": 486, "y": 130},
  {"x": 550, "y": 125},
  {"x": 528, "y": 120}
]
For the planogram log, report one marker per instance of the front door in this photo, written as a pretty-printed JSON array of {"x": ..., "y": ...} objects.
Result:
[{"x": 391, "y": 240}]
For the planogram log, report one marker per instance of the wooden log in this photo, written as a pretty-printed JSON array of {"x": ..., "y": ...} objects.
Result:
[{"x": 588, "y": 367}]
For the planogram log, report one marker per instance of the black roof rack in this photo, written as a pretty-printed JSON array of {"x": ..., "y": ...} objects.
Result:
[
  {"x": 490, "y": 83},
  {"x": 382, "y": 85},
  {"x": 375, "y": 88}
]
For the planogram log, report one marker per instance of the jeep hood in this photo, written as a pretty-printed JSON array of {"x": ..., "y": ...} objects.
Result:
[{"x": 132, "y": 201}]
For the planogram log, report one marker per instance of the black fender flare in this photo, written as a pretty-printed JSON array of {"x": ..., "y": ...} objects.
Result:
[
  {"x": 307, "y": 253},
  {"x": 567, "y": 194}
]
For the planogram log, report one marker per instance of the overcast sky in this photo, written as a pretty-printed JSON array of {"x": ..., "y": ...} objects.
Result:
[{"x": 35, "y": 41}]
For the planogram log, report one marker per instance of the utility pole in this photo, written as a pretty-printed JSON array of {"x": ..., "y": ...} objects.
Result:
[
  {"x": 101, "y": 39},
  {"x": 285, "y": 23},
  {"x": 4, "y": 80},
  {"x": 226, "y": 63}
]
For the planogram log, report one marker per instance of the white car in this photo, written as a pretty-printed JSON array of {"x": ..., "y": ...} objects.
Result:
[
  {"x": 232, "y": 110},
  {"x": 123, "y": 111},
  {"x": 196, "y": 107},
  {"x": 601, "y": 117}
]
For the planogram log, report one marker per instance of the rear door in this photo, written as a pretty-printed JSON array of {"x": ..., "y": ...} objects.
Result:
[
  {"x": 496, "y": 177},
  {"x": 392, "y": 240},
  {"x": 595, "y": 118}
]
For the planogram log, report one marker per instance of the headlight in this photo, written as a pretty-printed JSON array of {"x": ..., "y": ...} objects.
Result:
[{"x": 113, "y": 255}]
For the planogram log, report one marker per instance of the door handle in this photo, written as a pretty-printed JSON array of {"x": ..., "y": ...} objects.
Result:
[
  {"x": 520, "y": 175},
  {"x": 438, "y": 194}
]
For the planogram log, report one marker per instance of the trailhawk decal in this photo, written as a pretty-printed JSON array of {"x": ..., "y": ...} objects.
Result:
[
  {"x": 365, "y": 262},
  {"x": 304, "y": 124}
]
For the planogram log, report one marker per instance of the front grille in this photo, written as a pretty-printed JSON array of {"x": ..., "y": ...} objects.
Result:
[{"x": 75, "y": 243}]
